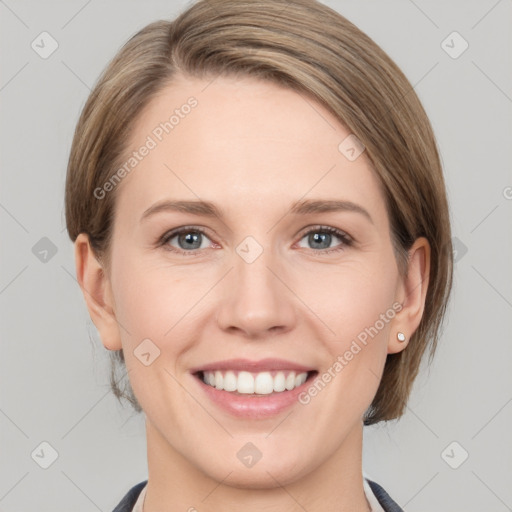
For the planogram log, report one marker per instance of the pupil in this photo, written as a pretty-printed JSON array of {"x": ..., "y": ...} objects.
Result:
[
  {"x": 319, "y": 238},
  {"x": 191, "y": 239}
]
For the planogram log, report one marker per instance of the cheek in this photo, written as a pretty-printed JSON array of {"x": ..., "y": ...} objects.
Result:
[
  {"x": 153, "y": 316},
  {"x": 148, "y": 307},
  {"x": 149, "y": 300},
  {"x": 360, "y": 313},
  {"x": 359, "y": 309},
  {"x": 365, "y": 314},
  {"x": 357, "y": 298}
]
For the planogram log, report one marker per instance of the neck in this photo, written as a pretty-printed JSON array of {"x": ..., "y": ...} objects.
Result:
[{"x": 175, "y": 484}]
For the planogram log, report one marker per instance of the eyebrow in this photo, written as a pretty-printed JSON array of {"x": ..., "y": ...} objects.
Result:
[{"x": 208, "y": 209}]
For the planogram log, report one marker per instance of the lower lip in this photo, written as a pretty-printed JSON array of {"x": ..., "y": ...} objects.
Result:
[{"x": 253, "y": 406}]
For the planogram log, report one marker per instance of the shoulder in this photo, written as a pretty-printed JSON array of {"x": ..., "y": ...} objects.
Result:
[
  {"x": 386, "y": 502},
  {"x": 127, "y": 503}
]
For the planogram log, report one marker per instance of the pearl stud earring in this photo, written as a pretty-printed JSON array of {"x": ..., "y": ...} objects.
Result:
[{"x": 401, "y": 336}]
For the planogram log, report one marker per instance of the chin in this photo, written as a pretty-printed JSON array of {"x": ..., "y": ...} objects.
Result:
[{"x": 263, "y": 475}]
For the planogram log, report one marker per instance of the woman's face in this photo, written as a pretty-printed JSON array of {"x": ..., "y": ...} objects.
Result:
[{"x": 264, "y": 289}]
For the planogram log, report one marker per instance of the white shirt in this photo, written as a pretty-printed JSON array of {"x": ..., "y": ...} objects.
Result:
[{"x": 372, "y": 500}]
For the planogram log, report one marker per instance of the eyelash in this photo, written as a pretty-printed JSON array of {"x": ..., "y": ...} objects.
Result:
[{"x": 346, "y": 240}]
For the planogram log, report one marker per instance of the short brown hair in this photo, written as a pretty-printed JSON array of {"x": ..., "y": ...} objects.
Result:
[{"x": 306, "y": 46}]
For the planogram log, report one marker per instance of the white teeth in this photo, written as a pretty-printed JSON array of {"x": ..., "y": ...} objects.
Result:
[
  {"x": 264, "y": 384},
  {"x": 279, "y": 382},
  {"x": 300, "y": 379},
  {"x": 219, "y": 380},
  {"x": 260, "y": 383},
  {"x": 245, "y": 383},
  {"x": 290, "y": 381},
  {"x": 230, "y": 381}
]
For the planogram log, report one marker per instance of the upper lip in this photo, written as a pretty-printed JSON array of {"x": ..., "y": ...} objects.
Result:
[{"x": 262, "y": 365}]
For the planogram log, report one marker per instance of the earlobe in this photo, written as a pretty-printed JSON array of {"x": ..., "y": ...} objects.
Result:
[
  {"x": 412, "y": 294},
  {"x": 97, "y": 292}
]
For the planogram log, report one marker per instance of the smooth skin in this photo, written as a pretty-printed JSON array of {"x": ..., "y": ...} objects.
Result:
[{"x": 252, "y": 148}]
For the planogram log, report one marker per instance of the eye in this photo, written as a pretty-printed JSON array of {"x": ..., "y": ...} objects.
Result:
[
  {"x": 189, "y": 240},
  {"x": 320, "y": 237}
]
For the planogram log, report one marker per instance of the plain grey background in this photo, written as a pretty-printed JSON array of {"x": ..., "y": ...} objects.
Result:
[{"x": 54, "y": 380}]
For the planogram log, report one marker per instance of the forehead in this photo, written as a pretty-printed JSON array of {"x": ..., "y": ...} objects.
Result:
[{"x": 241, "y": 142}]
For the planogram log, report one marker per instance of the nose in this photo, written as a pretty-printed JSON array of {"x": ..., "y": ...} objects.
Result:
[{"x": 256, "y": 299}]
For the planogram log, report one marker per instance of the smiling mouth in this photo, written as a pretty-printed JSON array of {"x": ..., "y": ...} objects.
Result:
[{"x": 255, "y": 383}]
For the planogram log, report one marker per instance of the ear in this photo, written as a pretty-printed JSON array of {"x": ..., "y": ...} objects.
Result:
[
  {"x": 411, "y": 293},
  {"x": 95, "y": 286}
]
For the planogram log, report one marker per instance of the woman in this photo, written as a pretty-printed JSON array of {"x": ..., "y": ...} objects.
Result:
[{"x": 262, "y": 238}]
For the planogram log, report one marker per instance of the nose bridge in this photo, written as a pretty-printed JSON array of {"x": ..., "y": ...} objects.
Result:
[{"x": 255, "y": 300}]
